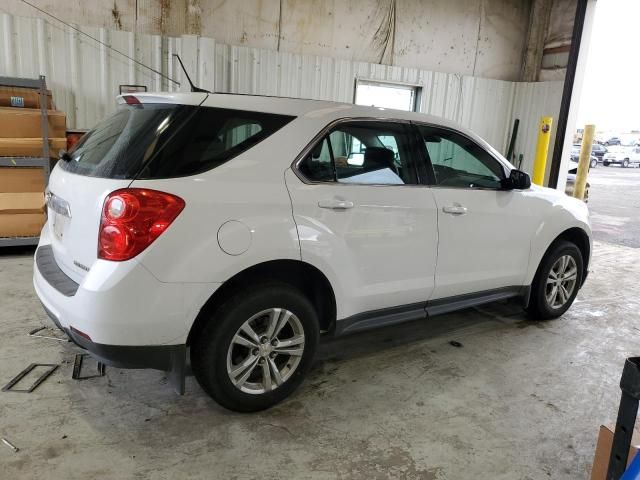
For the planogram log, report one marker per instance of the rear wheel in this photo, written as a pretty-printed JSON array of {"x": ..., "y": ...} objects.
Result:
[
  {"x": 593, "y": 164},
  {"x": 257, "y": 348},
  {"x": 557, "y": 281},
  {"x": 625, "y": 163}
]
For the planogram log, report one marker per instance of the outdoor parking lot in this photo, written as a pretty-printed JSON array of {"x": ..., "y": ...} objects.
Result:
[{"x": 614, "y": 203}]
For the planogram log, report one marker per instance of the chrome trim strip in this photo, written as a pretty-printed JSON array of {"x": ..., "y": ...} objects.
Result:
[{"x": 58, "y": 205}]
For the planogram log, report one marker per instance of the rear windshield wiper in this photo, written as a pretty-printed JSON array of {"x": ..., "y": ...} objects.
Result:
[{"x": 64, "y": 155}]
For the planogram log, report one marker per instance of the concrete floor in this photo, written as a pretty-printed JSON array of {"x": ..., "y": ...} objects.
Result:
[{"x": 520, "y": 399}]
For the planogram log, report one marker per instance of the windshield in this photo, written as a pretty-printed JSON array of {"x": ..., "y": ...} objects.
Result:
[{"x": 151, "y": 141}]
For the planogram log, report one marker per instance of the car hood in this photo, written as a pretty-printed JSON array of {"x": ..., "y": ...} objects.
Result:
[
  {"x": 561, "y": 200},
  {"x": 619, "y": 149}
]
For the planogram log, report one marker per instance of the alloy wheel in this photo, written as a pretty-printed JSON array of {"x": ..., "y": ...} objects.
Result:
[
  {"x": 561, "y": 281},
  {"x": 265, "y": 351}
]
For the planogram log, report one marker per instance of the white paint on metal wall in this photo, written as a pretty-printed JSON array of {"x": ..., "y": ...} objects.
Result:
[{"x": 85, "y": 76}]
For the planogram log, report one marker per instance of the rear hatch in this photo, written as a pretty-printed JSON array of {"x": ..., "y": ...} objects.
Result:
[
  {"x": 107, "y": 158},
  {"x": 147, "y": 138}
]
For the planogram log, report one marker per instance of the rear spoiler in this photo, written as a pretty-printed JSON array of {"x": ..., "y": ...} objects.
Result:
[{"x": 195, "y": 98}]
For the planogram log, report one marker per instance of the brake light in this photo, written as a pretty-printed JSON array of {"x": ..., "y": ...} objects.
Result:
[
  {"x": 131, "y": 100},
  {"x": 132, "y": 218}
]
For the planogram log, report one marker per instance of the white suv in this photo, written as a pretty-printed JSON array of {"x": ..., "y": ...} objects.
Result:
[
  {"x": 243, "y": 227},
  {"x": 626, "y": 154}
]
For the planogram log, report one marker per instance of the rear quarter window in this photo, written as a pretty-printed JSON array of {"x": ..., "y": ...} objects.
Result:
[{"x": 152, "y": 141}]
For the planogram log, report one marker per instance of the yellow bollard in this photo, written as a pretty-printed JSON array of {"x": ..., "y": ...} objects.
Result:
[
  {"x": 542, "y": 149},
  {"x": 585, "y": 160}
]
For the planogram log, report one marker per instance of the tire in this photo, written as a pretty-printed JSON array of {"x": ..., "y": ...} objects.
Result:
[
  {"x": 213, "y": 356},
  {"x": 605, "y": 163},
  {"x": 593, "y": 164},
  {"x": 625, "y": 163},
  {"x": 540, "y": 308}
]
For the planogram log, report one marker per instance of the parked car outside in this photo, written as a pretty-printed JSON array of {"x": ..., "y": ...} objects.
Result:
[
  {"x": 598, "y": 151},
  {"x": 571, "y": 184},
  {"x": 627, "y": 154},
  {"x": 243, "y": 227},
  {"x": 613, "y": 141},
  {"x": 575, "y": 157}
]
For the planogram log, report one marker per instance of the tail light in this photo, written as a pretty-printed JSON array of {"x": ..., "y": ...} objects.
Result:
[{"x": 132, "y": 218}]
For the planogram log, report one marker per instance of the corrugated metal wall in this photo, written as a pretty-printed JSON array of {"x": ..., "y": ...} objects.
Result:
[
  {"x": 533, "y": 101},
  {"x": 85, "y": 76}
]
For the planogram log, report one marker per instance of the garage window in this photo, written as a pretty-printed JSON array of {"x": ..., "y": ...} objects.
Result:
[{"x": 397, "y": 96}]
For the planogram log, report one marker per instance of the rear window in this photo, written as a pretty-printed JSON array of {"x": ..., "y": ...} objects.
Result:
[{"x": 153, "y": 141}]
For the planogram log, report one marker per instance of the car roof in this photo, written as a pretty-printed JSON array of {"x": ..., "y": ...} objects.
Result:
[
  {"x": 284, "y": 105},
  {"x": 316, "y": 112}
]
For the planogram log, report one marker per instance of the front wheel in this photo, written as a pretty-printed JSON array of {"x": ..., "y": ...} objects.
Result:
[
  {"x": 257, "y": 348},
  {"x": 557, "y": 281},
  {"x": 593, "y": 164},
  {"x": 625, "y": 163}
]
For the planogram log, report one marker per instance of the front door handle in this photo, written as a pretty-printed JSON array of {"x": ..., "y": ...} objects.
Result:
[
  {"x": 455, "y": 210},
  {"x": 336, "y": 204}
]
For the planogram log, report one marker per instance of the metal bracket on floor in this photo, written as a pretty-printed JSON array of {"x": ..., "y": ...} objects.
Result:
[
  {"x": 9, "y": 386},
  {"x": 34, "y": 333},
  {"x": 77, "y": 368},
  {"x": 627, "y": 413}
]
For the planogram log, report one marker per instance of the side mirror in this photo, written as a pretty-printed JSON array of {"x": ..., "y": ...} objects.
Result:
[{"x": 517, "y": 180}]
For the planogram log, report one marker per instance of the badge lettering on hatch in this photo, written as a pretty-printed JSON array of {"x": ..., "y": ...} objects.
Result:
[
  {"x": 79, "y": 265},
  {"x": 58, "y": 205}
]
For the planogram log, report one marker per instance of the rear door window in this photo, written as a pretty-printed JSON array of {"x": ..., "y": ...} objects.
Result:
[
  {"x": 153, "y": 141},
  {"x": 366, "y": 153}
]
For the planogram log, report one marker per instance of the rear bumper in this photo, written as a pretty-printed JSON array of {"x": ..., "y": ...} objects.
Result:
[
  {"x": 119, "y": 311},
  {"x": 159, "y": 357}
]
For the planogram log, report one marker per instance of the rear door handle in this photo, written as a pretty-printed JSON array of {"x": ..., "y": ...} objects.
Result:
[
  {"x": 455, "y": 210},
  {"x": 336, "y": 204}
]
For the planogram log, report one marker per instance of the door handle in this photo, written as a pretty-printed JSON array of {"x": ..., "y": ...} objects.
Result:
[
  {"x": 335, "y": 204},
  {"x": 455, "y": 210}
]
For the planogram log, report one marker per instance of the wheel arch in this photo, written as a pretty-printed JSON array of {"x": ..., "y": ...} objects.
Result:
[
  {"x": 578, "y": 237},
  {"x": 575, "y": 235},
  {"x": 297, "y": 273}
]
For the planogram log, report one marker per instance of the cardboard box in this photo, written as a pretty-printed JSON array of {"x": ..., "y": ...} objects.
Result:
[
  {"x": 24, "y": 202},
  {"x": 30, "y": 147},
  {"x": 603, "y": 450},
  {"x": 21, "y": 214},
  {"x": 21, "y": 224},
  {"x": 21, "y": 179},
  {"x": 26, "y": 123},
  {"x": 19, "y": 97}
]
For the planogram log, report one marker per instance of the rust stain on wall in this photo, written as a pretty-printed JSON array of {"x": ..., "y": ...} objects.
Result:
[
  {"x": 116, "y": 16},
  {"x": 384, "y": 38},
  {"x": 193, "y": 17},
  {"x": 165, "y": 9}
]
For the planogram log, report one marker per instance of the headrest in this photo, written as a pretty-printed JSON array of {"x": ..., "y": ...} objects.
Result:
[
  {"x": 376, "y": 158},
  {"x": 317, "y": 150}
]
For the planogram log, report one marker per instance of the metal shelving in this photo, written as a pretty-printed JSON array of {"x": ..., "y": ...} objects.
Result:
[{"x": 45, "y": 161}]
